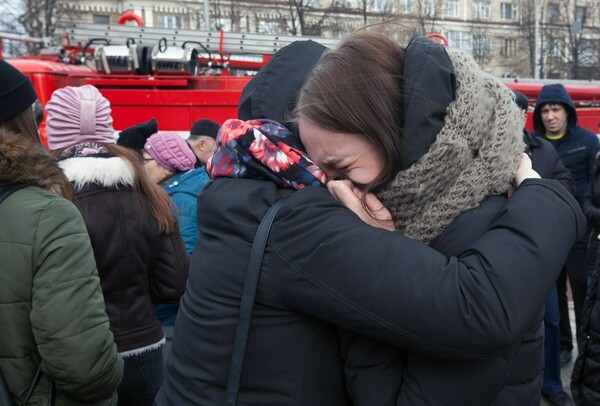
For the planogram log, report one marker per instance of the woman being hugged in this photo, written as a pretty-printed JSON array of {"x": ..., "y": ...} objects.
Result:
[
  {"x": 132, "y": 225},
  {"x": 326, "y": 271},
  {"x": 452, "y": 136},
  {"x": 53, "y": 317}
]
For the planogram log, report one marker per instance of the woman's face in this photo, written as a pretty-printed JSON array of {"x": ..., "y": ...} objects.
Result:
[
  {"x": 341, "y": 155},
  {"x": 154, "y": 171}
]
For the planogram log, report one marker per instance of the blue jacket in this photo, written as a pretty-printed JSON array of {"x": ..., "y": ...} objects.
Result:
[
  {"x": 183, "y": 189},
  {"x": 578, "y": 148}
]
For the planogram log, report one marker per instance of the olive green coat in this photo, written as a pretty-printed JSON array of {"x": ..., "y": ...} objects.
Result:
[{"x": 51, "y": 305}]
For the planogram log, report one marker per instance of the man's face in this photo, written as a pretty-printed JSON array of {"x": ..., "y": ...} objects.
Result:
[
  {"x": 203, "y": 147},
  {"x": 554, "y": 117}
]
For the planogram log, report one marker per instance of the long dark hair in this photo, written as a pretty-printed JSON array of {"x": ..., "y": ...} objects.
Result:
[
  {"x": 357, "y": 88},
  {"x": 25, "y": 126},
  {"x": 160, "y": 204}
]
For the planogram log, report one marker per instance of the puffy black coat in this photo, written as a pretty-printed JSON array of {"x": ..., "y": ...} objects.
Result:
[
  {"x": 138, "y": 266},
  {"x": 585, "y": 381},
  {"x": 325, "y": 269}
]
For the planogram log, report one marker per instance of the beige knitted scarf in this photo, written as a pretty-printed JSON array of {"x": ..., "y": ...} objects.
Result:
[{"x": 475, "y": 155}]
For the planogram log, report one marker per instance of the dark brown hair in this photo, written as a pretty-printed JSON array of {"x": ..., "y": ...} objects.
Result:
[
  {"x": 24, "y": 125},
  {"x": 160, "y": 203},
  {"x": 357, "y": 88}
]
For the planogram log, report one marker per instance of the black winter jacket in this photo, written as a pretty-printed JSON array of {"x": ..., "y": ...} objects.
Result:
[
  {"x": 325, "y": 269},
  {"x": 138, "y": 266},
  {"x": 585, "y": 380},
  {"x": 546, "y": 162}
]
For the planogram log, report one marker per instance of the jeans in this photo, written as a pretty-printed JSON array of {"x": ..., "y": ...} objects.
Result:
[
  {"x": 142, "y": 378},
  {"x": 552, "y": 382}
]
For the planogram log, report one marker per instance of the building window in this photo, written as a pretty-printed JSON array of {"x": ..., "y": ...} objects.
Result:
[
  {"x": 459, "y": 39},
  {"x": 339, "y": 33},
  {"x": 554, "y": 48},
  {"x": 101, "y": 19},
  {"x": 169, "y": 21},
  {"x": 509, "y": 11},
  {"x": 379, "y": 5},
  {"x": 451, "y": 9},
  {"x": 268, "y": 27},
  {"x": 553, "y": 12},
  {"x": 407, "y": 6},
  {"x": 481, "y": 10},
  {"x": 481, "y": 46},
  {"x": 580, "y": 14},
  {"x": 509, "y": 47},
  {"x": 588, "y": 52}
]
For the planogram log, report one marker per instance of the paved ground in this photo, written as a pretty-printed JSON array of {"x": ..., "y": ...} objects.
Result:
[{"x": 566, "y": 371}]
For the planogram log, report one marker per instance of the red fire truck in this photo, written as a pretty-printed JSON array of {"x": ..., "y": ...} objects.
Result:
[{"x": 179, "y": 76}]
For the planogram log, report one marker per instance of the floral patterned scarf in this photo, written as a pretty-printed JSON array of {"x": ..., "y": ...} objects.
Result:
[
  {"x": 262, "y": 149},
  {"x": 85, "y": 149}
]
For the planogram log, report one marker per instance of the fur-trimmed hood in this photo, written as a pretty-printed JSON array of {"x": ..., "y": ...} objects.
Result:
[
  {"x": 23, "y": 161},
  {"x": 108, "y": 172}
]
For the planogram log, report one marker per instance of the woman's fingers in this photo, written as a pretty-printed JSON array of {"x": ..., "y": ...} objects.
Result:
[
  {"x": 525, "y": 170},
  {"x": 374, "y": 214}
]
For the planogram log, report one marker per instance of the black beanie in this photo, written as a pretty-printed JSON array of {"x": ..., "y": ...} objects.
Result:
[
  {"x": 205, "y": 127},
  {"x": 521, "y": 100},
  {"x": 16, "y": 92},
  {"x": 135, "y": 137}
]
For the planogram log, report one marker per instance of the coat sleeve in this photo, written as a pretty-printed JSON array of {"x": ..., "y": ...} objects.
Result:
[
  {"x": 401, "y": 291},
  {"x": 68, "y": 315},
  {"x": 169, "y": 274},
  {"x": 186, "y": 213}
]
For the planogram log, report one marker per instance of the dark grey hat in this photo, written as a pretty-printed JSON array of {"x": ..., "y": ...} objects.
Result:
[
  {"x": 136, "y": 136},
  {"x": 16, "y": 92}
]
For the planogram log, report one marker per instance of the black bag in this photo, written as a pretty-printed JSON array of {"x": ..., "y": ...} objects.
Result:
[{"x": 5, "y": 394}]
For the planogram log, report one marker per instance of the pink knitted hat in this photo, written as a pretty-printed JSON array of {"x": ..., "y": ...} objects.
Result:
[
  {"x": 170, "y": 151},
  {"x": 77, "y": 115}
]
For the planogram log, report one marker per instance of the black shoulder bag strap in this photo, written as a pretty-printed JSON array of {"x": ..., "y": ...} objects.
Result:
[
  {"x": 247, "y": 302},
  {"x": 10, "y": 189}
]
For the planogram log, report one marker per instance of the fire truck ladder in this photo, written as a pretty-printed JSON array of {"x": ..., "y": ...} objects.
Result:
[
  {"x": 214, "y": 41},
  {"x": 246, "y": 50}
]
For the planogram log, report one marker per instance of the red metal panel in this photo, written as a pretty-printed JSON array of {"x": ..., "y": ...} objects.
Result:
[{"x": 173, "y": 109}]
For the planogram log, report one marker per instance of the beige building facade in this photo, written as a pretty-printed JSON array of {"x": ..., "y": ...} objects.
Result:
[{"x": 504, "y": 36}]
